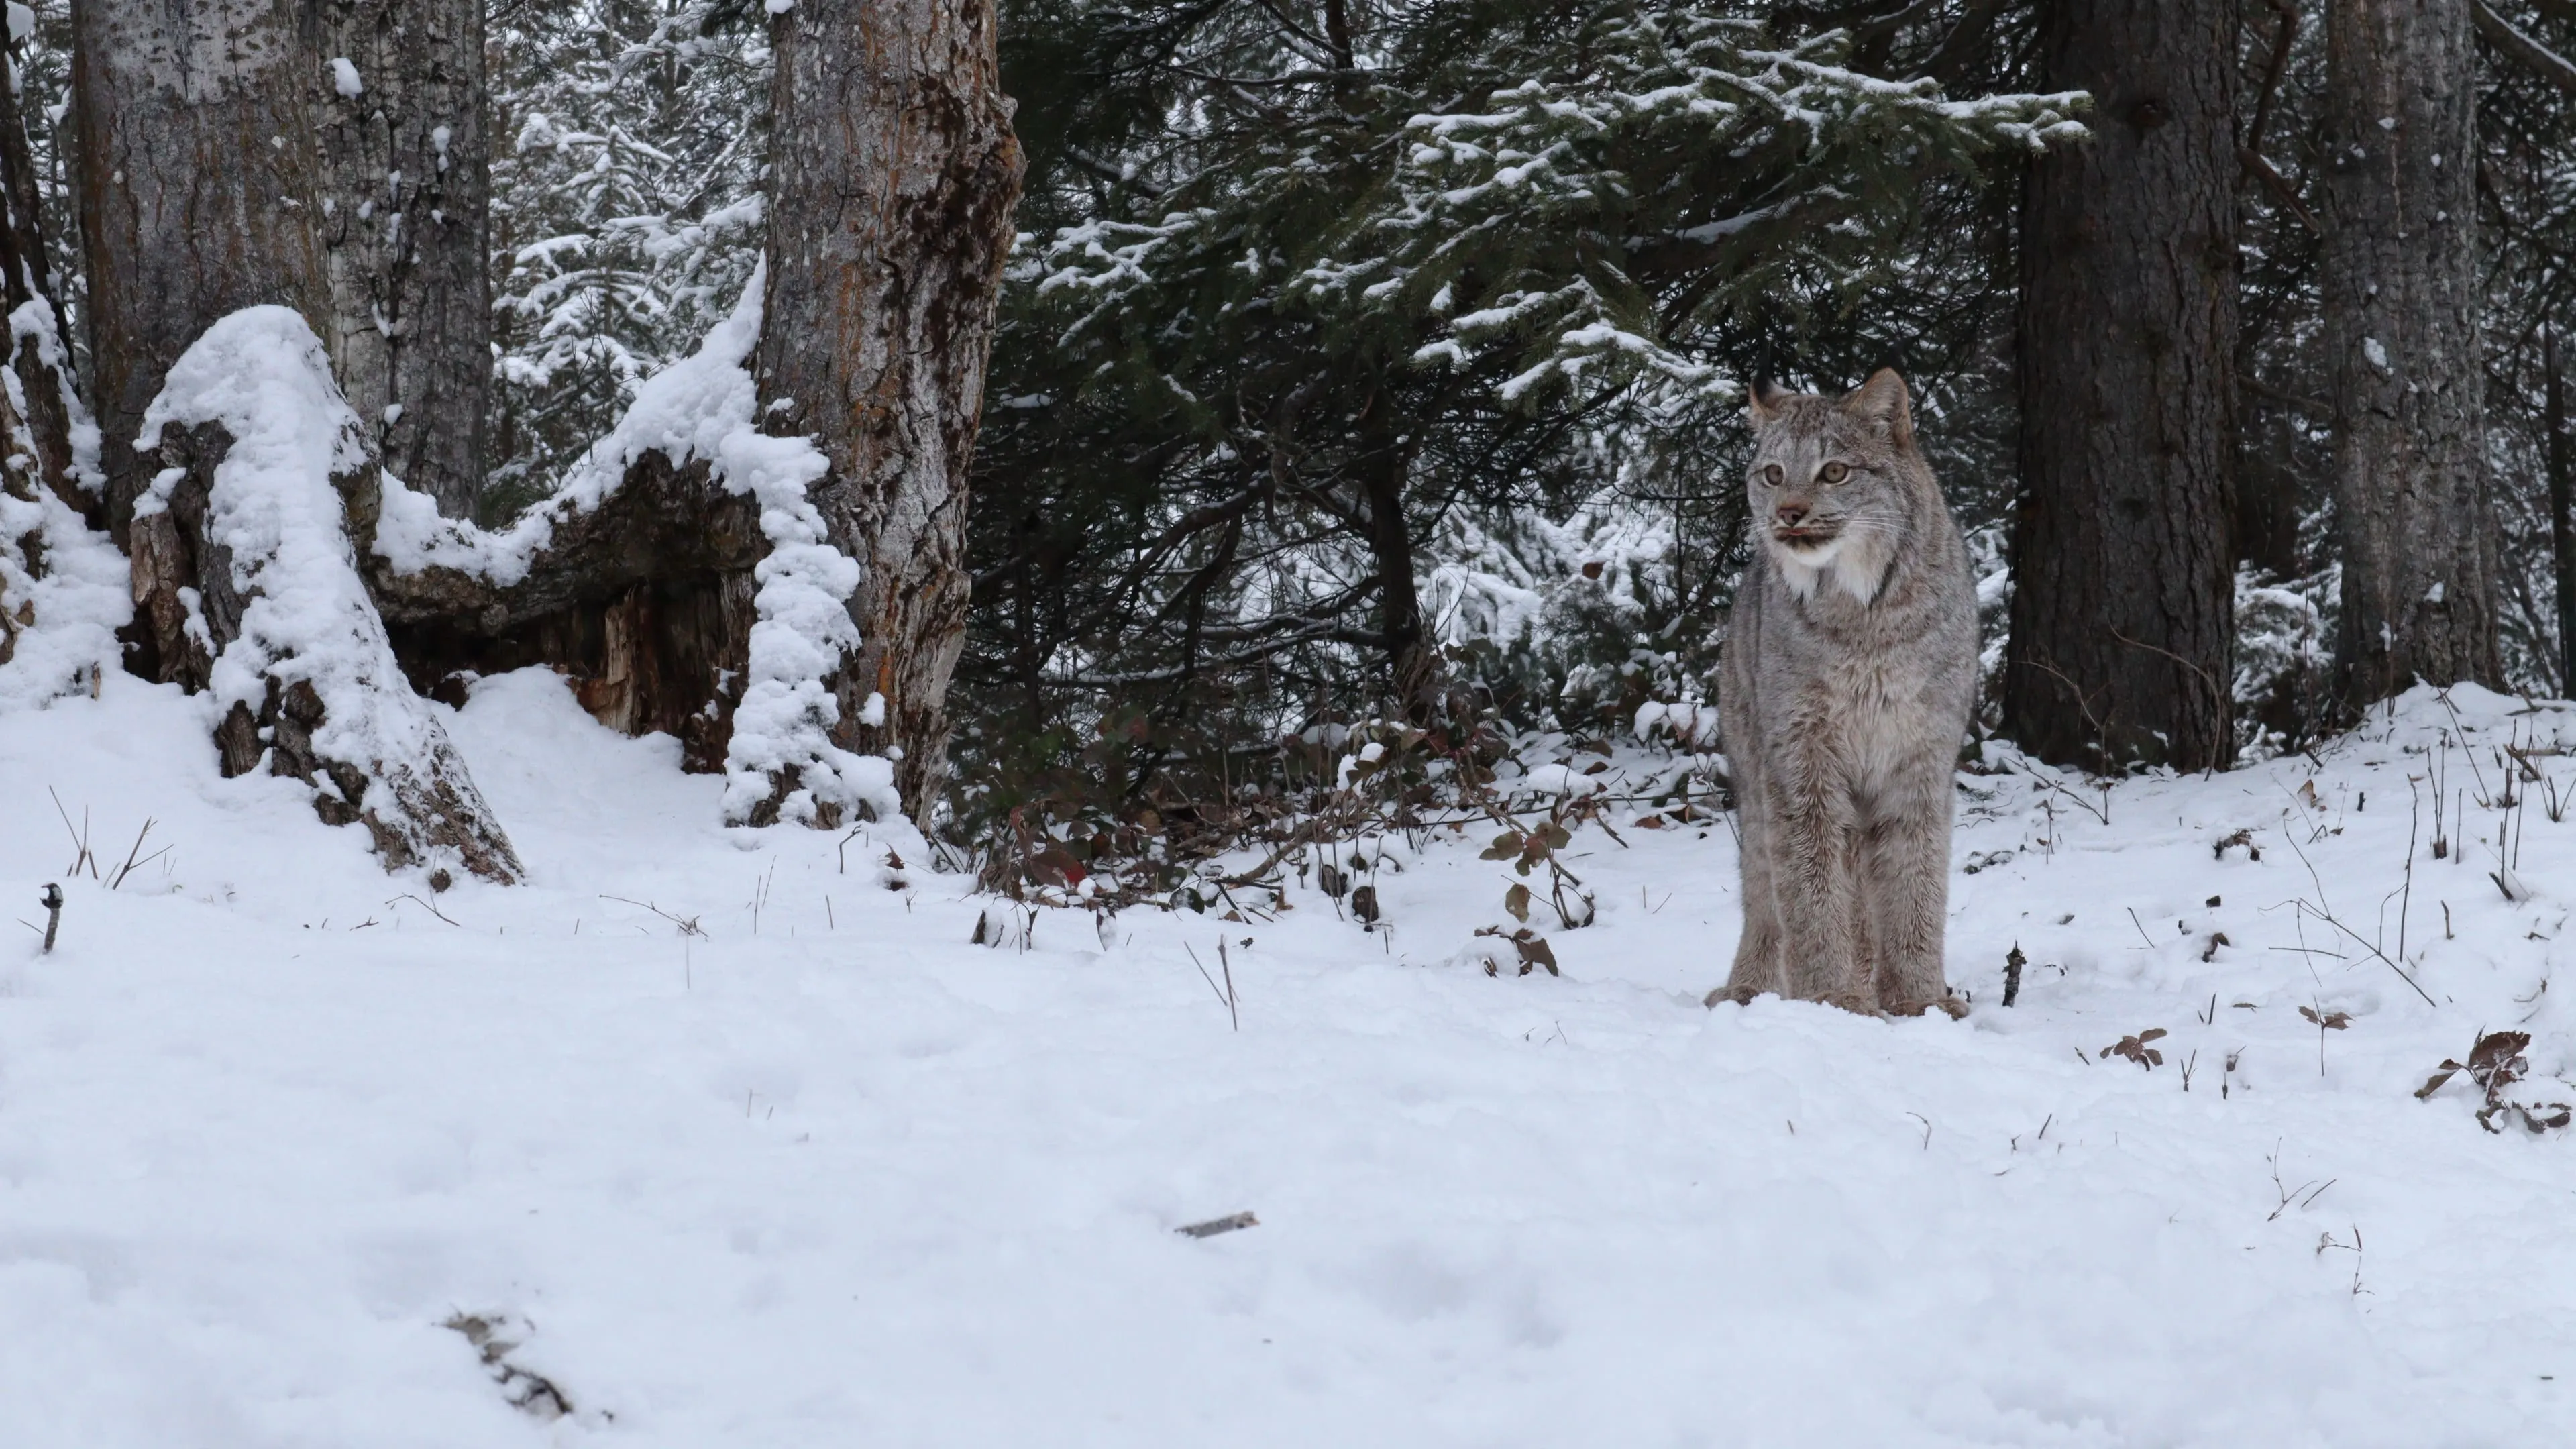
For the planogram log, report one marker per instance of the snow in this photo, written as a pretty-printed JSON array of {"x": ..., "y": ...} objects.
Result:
[
  {"x": 344, "y": 78},
  {"x": 705, "y": 406},
  {"x": 833, "y": 1175}
]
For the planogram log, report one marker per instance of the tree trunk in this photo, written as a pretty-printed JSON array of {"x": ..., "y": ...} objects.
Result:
[
  {"x": 893, "y": 177},
  {"x": 2562, "y": 506},
  {"x": 2124, "y": 606},
  {"x": 2417, "y": 534},
  {"x": 2267, "y": 490},
  {"x": 40, "y": 352},
  {"x": 406, "y": 190},
  {"x": 197, "y": 193},
  {"x": 188, "y": 210}
]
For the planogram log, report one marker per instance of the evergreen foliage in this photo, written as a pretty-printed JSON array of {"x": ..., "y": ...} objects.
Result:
[{"x": 1306, "y": 302}]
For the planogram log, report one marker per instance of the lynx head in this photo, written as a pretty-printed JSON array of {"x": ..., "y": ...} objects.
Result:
[{"x": 1829, "y": 491}]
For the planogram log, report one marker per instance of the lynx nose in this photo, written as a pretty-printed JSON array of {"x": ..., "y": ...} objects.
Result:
[{"x": 1791, "y": 514}]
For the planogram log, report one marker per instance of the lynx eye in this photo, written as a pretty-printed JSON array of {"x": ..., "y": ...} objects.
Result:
[
  {"x": 1833, "y": 473},
  {"x": 1774, "y": 475}
]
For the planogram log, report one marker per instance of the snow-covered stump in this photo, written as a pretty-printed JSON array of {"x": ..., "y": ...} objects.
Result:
[
  {"x": 677, "y": 504},
  {"x": 244, "y": 570}
]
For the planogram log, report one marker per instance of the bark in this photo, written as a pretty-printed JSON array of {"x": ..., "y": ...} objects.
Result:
[
  {"x": 41, "y": 368},
  {"x": 197, "y": 191},
  {"x": 188, "y": 210},
  {"x": 406, "y": 199},
  {"x": 2123, "y": 605},
  {"x": 893, "y": 177},
  {"x": 2417, "y": 533},
  {"x": 2562, "y": 506}
]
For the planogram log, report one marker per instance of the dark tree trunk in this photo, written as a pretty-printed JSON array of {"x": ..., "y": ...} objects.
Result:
[
  {"x": 2417, "y": 534},
  {"x": 2562, "y": 507},
  {"x": 406, "y": 191},
  {"x": 197, "y": 193},
  {"x": 2124, "y": 604},
  {"x": 2267, "y": 491},
  {"x": 893, "y": 179},
  {"x": 43, "y": 370},
  {"x": 188, "y": 211},
  {"x": 1417, "y": 677}
]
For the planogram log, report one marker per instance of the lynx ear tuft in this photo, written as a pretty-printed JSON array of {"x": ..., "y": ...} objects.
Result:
[
  {"x": 1766, "y": 401},
  {"x": 1881, "y": 402}
]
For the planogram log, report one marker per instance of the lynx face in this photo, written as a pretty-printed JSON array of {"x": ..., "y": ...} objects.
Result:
[{"x": 1823, "y": 491}]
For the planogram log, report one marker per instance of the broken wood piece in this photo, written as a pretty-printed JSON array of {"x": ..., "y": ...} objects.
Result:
[{"x": 1214, "y": 1226}]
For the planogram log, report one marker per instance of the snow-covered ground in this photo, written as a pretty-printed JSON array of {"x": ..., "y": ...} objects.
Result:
[{"x": 827, "y": 1173}]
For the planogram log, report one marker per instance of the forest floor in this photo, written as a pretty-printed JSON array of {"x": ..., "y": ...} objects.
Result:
[{"x": 281, "y": 1138}]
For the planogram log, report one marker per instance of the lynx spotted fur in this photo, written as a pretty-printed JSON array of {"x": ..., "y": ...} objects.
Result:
[{"x": 1846, "y": 682}]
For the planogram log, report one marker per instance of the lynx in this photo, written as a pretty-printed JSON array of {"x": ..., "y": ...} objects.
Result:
[{"x": 1845, "y": 686}]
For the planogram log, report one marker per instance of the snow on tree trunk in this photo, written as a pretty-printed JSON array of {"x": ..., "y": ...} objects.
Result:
[
  {"x": 406, "y": 190},
  {"x": 2412, "y": 511},
  {"x": 262, "y": 450},
  {"x": 197, "y": 195},
  {"x": 894, "y": 175},
  {"x": 2123, "y": 609}
]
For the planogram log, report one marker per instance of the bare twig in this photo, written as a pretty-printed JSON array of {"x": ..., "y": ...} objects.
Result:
[
  {"x": 426, "y": 906},
  {"x": 130, "y": 862},
  {"x": 688, "y": 927}
]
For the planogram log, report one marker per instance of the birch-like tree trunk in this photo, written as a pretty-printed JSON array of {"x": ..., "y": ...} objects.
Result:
[
  {"x": 406, "y": 201},
  {"x": 197, "y": 188},
  {"x": 2123, "y": 611},
  {"x": 894, "y": 174},
  {"x": 2412, "y": 511}
]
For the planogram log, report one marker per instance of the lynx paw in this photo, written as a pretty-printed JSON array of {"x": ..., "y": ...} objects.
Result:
[
  {"x": 1863, "y": 1003},
  {"x": 1740, "y": 995},
  {"x": 1956, "y": 1008}
]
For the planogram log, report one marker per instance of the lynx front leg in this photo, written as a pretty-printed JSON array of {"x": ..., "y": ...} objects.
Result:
[
  {"x": 1757, "y": 950},
  {"x": 1906, "y": 881},
  {"x": 1814, "y": 883}
]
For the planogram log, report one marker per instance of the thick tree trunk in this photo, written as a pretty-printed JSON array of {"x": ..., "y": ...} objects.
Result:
[
  {"x": 197, "y": 192},
  {"x": 893, "y": 179},
  {"x": 2561, "y": 456},
  {"x": 406, "y": 192},
  {"x": 189, "y": 210},
  {"x": 39, "y": 348},
  {"x": 2418, "y": 536},
  {"x": 2123, "y": 605}
]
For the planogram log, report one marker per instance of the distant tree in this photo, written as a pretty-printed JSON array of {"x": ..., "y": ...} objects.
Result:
[
  {"x": 2414, "y": 513},
  {"x": 406, "y": 195}
]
